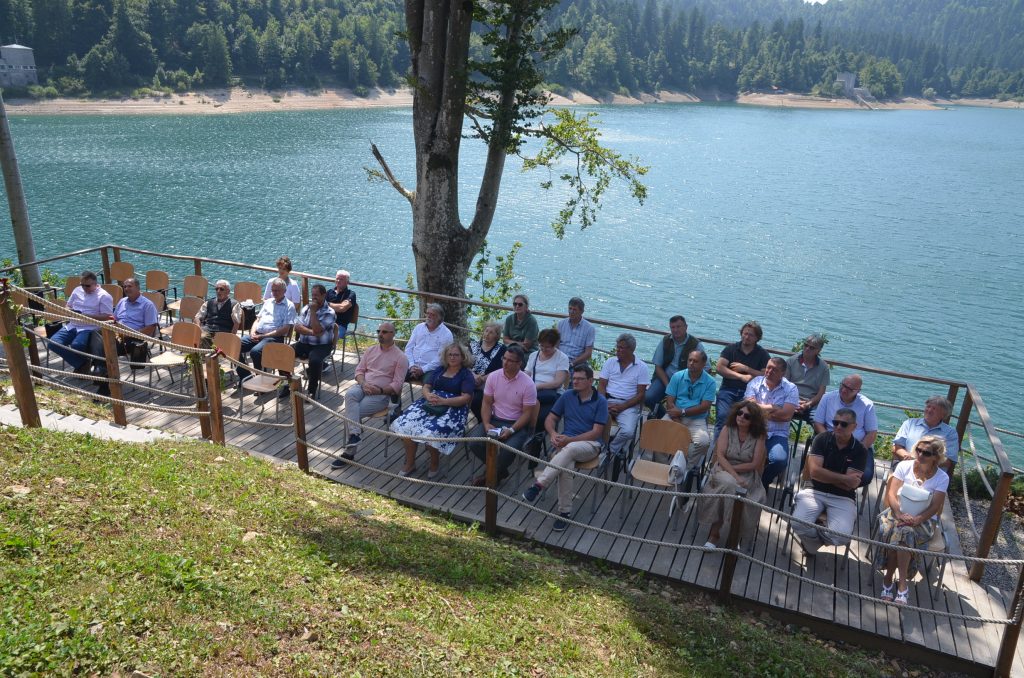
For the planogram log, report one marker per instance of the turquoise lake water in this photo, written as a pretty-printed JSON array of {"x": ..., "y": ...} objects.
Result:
[{"x": 897, "y": 233}]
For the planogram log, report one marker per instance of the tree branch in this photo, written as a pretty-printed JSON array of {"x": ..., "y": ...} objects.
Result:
[{"x": 389, "y": 175}]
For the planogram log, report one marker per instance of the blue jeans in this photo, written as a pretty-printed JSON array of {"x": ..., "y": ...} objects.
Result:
[
  {"x": 727, "y": 397},
  {"x": 255, "y": 350},
  {"x": 655, "y": 394},
  {"x": 778, "y": 459},
  {"x": 76, "y": 339}
]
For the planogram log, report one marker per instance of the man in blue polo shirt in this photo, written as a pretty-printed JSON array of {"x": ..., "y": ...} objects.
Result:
[
  {"x": 585, "y": 414},
  {"x": 936, "y": 410},
  {"x": 688, "y": 400}
]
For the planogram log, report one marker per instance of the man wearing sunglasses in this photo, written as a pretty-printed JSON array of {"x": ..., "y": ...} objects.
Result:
[
  {"x": 88, "y": 299},
  {"x": 835, "y": 466}
]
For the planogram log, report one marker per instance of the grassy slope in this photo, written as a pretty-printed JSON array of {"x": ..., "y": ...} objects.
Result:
[{"x": 194, "y": 559}]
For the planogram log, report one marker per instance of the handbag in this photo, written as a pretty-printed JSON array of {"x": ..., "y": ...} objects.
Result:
[
  {"x": 435, "y": 410},
  {"x": 53, "y": 328}
]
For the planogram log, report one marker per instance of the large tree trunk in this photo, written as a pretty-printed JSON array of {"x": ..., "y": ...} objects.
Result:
[{"x": 16, "y": 201}]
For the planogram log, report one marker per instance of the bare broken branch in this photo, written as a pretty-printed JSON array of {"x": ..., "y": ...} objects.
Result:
[{"x": 389, "y": 175}]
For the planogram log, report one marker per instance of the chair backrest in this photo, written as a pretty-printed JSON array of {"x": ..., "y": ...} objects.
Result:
[
  {"x": 355, "y": 317},
  {"x": 189, "y": 307},
  {"x": 196, "y": 286},
  {"x": 279, "y": 357},
  {"x": 186, "y": 334},
  {"x": 229, "y": 343},
  {"x": 121, "y": 271},
  {"x": 157, "y": 298},
  {"x": 70, "y": 283},
  {"x": 248, "y": 291},
  {"x": 115, "y": 291},
  {"x": 158, "y": 281},
  {"x": 664, "y": 436}
]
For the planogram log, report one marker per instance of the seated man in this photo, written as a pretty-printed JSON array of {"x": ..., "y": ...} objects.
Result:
[
  {"x": 849, "y": 395},
  {"x": 88, "y": 299},
  {"x": 425, "y": 343},
  {"x": 315, "y": 328},
  {"x": 936, "y": 410},
  {"x": 274, "y": 322},
  {"x": 778, "y": 399},
  {"x": 738, "y": 364},
  {"x": 811, "y": 375},
  {"x": 135, "y": 312},
  {"x": 341, "y": 297},
  {"x": 671, "y": 356},
  {"x": 577, "y": 334},
  {"x": 219, "y": 314},
  {"x": 510, "y": 406},
  {"x": 835, "y": 465},
  {"x": 379, "y": 377},
  {"x": 688, "y": 400},
  {"x": 624, "y": 381},
  {"x": 585, "y": 412}
]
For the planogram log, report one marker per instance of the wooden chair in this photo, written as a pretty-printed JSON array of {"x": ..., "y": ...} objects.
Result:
[
  {"x": 660, "y": 436},
  {"x": 115, "y": 292},
  {"x": 187, "y": 309},
  {"x": 195, "y": 286},
  {"x": 351, "y": 332},
  {"x": 70, "y": 283},
  {"x": 248, "y": 291},
  {"x": 158, "y": 300},
  {"x": 158, "y": 281},
  {"x": 230, "y": 345},
  {"x": 184, "y": 335},
  {"x": 121, "y": 271},
  {"x": 275, "y": 357}
]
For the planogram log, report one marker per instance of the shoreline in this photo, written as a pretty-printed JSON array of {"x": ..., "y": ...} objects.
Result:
[{"x": 242, "y": 100}]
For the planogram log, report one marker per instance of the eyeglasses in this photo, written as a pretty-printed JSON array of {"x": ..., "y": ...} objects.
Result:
[
  {"x": 846, "y": 387},
  {"x": 926, "y": 453},
  {"x": 88, "y": 286},
  {"x": 839, "y": 423},
  {"x": 223, "y": 289},
  {"x": 743, "y": 414},
  {"x": 385, "y": 331},
  {"x": 518, "y": 303}
]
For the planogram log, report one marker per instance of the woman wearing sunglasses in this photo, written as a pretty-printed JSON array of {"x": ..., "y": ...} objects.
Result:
[
  {"x": 739, "y": 459},
  {"x": 914, "y": 499}
]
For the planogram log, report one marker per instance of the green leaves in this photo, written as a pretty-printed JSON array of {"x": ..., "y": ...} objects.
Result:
[{"x": 572, "y": 144}]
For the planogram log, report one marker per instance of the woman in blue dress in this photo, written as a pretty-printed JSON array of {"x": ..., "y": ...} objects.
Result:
[{"x": 442, "y": 410}]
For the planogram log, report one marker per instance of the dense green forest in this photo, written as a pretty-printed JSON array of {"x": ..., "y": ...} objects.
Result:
[{"x": 931, "y": 47}]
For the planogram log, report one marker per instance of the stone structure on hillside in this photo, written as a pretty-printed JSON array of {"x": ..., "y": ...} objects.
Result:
[
  {"x": 17, "y": 66},
  {"x": 848, "y": 81}
]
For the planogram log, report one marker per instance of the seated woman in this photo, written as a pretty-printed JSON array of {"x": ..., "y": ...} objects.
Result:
[
  {"x": 740, "y": 454},
  {"x": 487, "y": 353},
  {"x": 291, "y": 291},
  {"x": 911, "y": 527},
  {"x": 441, "y": 411},
  {"x": 549, "y": 369},
  {"x": 521, "y": 326}
]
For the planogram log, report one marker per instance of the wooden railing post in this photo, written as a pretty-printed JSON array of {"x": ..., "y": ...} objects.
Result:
[
  {"x": 491, "y": 497},
  {"x": 202, "y": 405},
  {"x": 305, "y": 290},
  {"x": 24, "y": 392},
  {"x": 965, "y": 417},
  {"x": 113, "y": 372},
  {"x": 33, "y": 350},
  {"x": 731, "y": 543},
  {"x": 106, "y": 264},
  {"x": 198, "y": 266},
  {"x": 117, "y": 253},
  {"x": 992, "y": 522},
  {"x": 954, "y": 389},
  {"x": 1011, "y": 634},
  {"x": 213, "y": 389},
  {"x": 299, "y": 417}
]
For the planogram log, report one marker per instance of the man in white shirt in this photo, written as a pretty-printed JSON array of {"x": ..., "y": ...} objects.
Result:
[
  {"x": 624, "y": 381},
  {"x": 428, "y": 338},
  {"x": 88, "y": 299}
]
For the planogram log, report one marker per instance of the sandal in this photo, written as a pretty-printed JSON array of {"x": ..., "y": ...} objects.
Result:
[
  {"x": 901, "y": 596},
  {"x": 886, "y": 592}
]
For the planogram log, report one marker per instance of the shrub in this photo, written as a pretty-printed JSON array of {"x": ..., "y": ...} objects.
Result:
[{"x": 39, "y": 92}]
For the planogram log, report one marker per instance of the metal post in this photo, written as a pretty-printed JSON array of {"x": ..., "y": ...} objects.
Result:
[
  {"x": 731, "y": 543},
  {"x": 106, "y": 264},
  {"x": 21, "y": 379},
  {"x": 1008, "y": 645},
  {"x": 113, "y": 372},
  {"x": 491, "y": 498},
  {"x": 213, "y": 389},
  {"x": 202, "y": 406},
  {"x": 965, "y": 416},
  {"x": 992, "y": 521},
  {"x": 299, "y": 417}
]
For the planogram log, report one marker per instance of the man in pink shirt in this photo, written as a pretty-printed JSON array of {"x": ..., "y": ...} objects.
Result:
[
  {"x": 509, "y": 407},
  {"x": 379, "y": 376}
]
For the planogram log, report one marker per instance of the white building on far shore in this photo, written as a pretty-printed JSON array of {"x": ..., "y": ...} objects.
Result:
[{"x": 17, "y": 66}]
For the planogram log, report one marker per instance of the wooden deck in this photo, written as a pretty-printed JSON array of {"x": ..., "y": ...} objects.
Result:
[{"x": 643, "y": 515}]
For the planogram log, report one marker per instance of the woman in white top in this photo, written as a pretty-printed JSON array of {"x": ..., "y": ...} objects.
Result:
[
  {"x": 549, "y": 369},
  {"x": 291, "y": 288},
  {"x": 912, "y": 523}
]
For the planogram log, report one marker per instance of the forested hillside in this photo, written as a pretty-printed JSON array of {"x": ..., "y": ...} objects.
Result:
[{"x": 945, "y": 48}]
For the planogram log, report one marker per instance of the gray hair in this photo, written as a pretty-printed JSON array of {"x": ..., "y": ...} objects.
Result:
[
  {"x": 274, "y": 282},
  {"x": 343, "y": 272},
  {"x": 780, "y": 363},
  {"x": 496, "y": 326},
  {"x": 577, "y": 302},
  {"x": 815, "y": 340},
  {"x": 847, "y": 412},
  {"x": 436, "y": 307},
  {"x": 942, "y": 402},
  {"x": 222, "y": 283},
  {"x": 627, "y": 339},
  {"x": 130, "y": 281}
]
